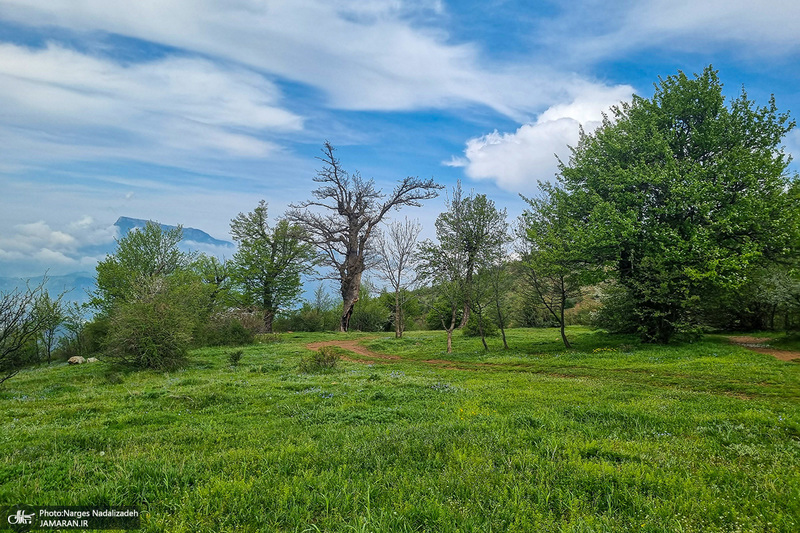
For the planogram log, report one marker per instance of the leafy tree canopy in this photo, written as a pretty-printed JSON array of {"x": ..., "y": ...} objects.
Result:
[
  {"x": 681, "y": 194},
  {"x": 140, "y": 255},
  {"x": 268, "y": 266}
]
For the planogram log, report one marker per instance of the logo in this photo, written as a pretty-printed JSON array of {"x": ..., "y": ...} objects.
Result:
[{"x": 21, "y": 518}]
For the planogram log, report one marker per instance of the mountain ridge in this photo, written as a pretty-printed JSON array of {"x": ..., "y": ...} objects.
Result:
[{"x": 126, "y": 224}]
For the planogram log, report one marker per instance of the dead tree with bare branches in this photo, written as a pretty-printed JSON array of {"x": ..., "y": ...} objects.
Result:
[
  {"x": 397, "y": 264},
  {"x": 340, "y": 221}
]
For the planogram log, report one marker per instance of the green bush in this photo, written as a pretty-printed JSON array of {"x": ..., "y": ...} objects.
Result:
[
  {"x": 152, "y": 331},
  {"x": 324, "y": 359},
  {"x": 617, "y": 311},
  {"x": 235, "y": 356},
  {"x": 224, "y": 330},
  {"x": 471, "y": 329}
]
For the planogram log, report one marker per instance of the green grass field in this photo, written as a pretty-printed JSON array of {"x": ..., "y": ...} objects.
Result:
[{"x": 608, "y": 436}]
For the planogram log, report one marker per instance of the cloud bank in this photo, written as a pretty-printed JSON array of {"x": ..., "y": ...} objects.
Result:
[{"x": 518, "y": 161}]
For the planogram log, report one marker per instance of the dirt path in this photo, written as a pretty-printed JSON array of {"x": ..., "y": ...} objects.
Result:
[
  {"x": 756, "y": 344},
  {"x": 382, "y": 358},
  {"x": 355, "y": 347},
  {"x": 761, "y": 345}
]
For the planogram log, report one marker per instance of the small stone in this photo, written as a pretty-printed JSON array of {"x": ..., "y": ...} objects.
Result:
[
  {"x": 76, "y": 360},
  {"x": 92, "y": 360}
]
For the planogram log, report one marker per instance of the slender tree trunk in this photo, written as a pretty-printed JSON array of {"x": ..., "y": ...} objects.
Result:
[
  {"x": 398, "y": 329},
  {"x": 563, "y": 325},
  {"x": 450, "y": 340},
  {"x": 502, "y": 321},
  {"x": 483, "y": 334},
  {"x": 564, "y": 337},
  {"x": 467, "y": 299},
  {"x": 500, "y": 318}
]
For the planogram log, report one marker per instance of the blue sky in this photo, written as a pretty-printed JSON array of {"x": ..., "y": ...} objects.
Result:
[{"x": 190, "y": 111}]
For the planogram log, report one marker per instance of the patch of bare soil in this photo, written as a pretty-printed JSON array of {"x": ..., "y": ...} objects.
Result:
[
  {"x": 760, "y": 345},
  {"x": 355, "y": 347}
]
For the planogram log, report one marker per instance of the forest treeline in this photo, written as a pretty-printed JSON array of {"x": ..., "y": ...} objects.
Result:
[{"x": 676, "y": 216}]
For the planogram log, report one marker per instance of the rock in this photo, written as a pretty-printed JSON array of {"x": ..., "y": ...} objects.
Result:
[
  {"x": 76, "y": 360},
  {"x": 92, "y": 360}
]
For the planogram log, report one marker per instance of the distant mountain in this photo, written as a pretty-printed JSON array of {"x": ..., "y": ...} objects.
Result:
[
  {"x": 126, "y": 224},
  {"x": 76, "y": 286}
]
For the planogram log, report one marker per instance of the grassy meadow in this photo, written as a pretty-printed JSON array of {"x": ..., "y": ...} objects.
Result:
[{"x": 608, "y": 436}]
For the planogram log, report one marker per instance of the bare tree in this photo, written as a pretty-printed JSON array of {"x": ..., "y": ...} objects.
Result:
[
  {"x": 397, "y": 262},
  {"x": 19, "y": 325},
  {"x": 351, "y": 208}
]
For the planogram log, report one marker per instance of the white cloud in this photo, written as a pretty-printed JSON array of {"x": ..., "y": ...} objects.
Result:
[
  {"x": 71, "y": 105},
  {"x": 362, "y": 55},
  {"x": 35, "y": 237},
  {"x": 761, "y": 24},
  {"x": 34, "y": 247},
  {"x": 49, "y": 256},
  {"x": 517, "y": 161},
  {"x": 748, "y": 28}
]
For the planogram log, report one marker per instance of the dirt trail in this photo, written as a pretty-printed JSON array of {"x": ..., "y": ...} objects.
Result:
[
  {"x": 760, "y": 345},
  {"x": 756, "y": 344},
  {"x": 382, "y": 358},
  {"x": 355, "y": 347}
]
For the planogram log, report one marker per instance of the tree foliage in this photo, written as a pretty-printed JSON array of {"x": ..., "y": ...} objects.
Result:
[
  {"x": 153, "y": 327},
  {"x": 141, "y": 255},
  {"x": 269, "y": 263},
  {"x": 51, "y": 314},
  {"x": 468, "y": 233},
  {"x": 553, "y": 261},
  {"x": 153, "y": 297},
  {"x": 682, "y": 194}
]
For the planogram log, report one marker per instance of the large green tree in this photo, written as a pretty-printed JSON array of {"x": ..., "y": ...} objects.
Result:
[
  {"x": 269, "y": 263},
  {"x": 682, "y": 194},
  {"x": 141, "y": 255},
  {"x": 153, "y": 298}
]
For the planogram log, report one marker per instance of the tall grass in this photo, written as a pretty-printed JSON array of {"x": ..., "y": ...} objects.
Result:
[{"x": 609, "y": 436}]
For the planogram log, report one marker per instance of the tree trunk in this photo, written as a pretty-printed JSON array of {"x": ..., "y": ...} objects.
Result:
[
  {"x": 449, "y": 341},
  {"x": 350, "y": 288},
  {"x": 563, "y": 305},
  {"x": 269, "y": 318},
  {"x": 467, "y": 298},
  {"x": 398, "y": 319},
  {"x": 564, "y": 337},
  {"x": 483, "y": 335},
  {"x": 500, "y": 318}
]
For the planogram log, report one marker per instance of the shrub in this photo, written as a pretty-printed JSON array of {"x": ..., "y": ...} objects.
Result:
[
  {"x": 326, "y": 358},
  {"x": 152, "y": 331},
  {"x": 225, "y": 330},
  {"x": 471, "y": 329},
  {"x": 617, "y": 311},
  {"x": 235, "y": 356}
]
